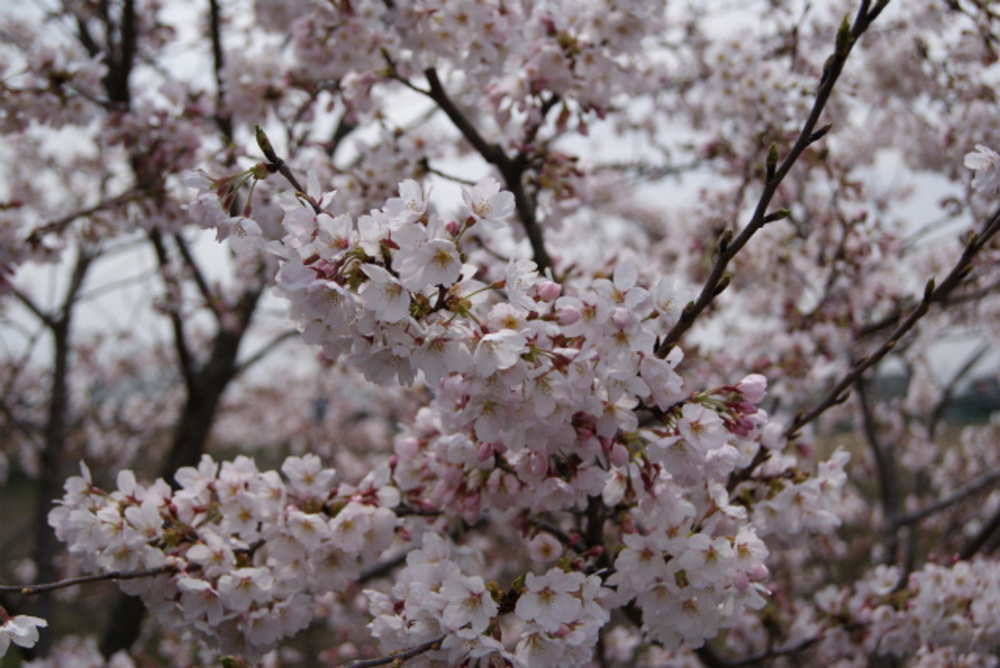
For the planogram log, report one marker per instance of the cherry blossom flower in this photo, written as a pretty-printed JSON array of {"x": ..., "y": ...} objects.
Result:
[
  {"x": 22, "y": 630},
  {"x": 488, "y": 204},
  {"x": 384, "y": 295},
  {"x": 470, "y": 607},
  {"x": 435, "y": 262},
  {"x": 986, "y": 163},
  {"x": 497, "y": 351},
  {"x": 549, "y": 600}
]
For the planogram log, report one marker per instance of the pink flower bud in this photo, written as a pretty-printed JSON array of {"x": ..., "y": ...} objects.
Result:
[
  {"x": 621, "y": 317},
  {"x": 618, "y": 455},
  {"x": 548, "y": 291},
  {"x": 753, "y": 388},
  {"x": 568, "y": 316}
]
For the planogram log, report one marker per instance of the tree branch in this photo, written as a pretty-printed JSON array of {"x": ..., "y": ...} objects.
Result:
[
  {"x": 55, "y": 429},
  {"x": 932, "y": 295},
  {"x": 808, "y": 135},
  {"x": 176, "y": 321},
  {"x": 887, "y": 475},
  {"x": 949, "y": 389},
  {"x": 35, "y": 589},
  {"x": 963, "y": 492},
  {"x": 46, "y": 318},
  {"x": 199, "y": 278},
  {"x": 394, "y": 657},
  {"x": 276, "y": 164},
  {"x": 977, "y": 542},
  {"x": 265, "y": 350},
  {"x": 512, "y": 170},
  {"x": 222, "y": 117},
  {"x": 60, "y": 224}
]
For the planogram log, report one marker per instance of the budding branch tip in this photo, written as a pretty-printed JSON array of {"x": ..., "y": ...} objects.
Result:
[
  {"x": 727, "y": 238},
  {"x": 264, "y": 143},
  {"x": 819, "y": 134},
  {"x": 776, "y": 215},
  {"x": 844, "y": 37},
  {"x": 723, "y": 284}
]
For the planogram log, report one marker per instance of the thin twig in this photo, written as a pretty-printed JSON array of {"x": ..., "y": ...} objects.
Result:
[
  {"x": 885, "y": 464},
  {"x": 512, "y": 170},
  {"x": 34, "y": 589},
  {"x": 395, "y": 656},
  {"x": 46, "y": 318},
  {"x": 808, "y": 135},
  {"x": 266, "y": 349},
  {"x": 223, "y": 117},
  {"x": 196, "y": 274},
  {"x": 932, "y": 294},
  {"x": 949, "y": 389},
  {"x": 963, "y": 492},
  {"x": 58, "y": 225},
  {"x": 184, "y": 357},
  {"x": 774, "y": 653},
  {"x": 976, "y": 543},
  {"x": 277, "y": 164}
]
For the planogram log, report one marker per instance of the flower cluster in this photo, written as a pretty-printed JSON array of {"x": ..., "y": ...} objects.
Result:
[
  {"x": 546, "y": 395},
  {"x": 236, "y": 554},
  {"x": 940, "y": 612},
  {"x": 560, "y": 612},
  {"x": 54, "y": 87},
  {"x": 577, "y": 50}
]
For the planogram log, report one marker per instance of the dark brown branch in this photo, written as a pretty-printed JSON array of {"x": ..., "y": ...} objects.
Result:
[
  {"x": 492, "y": 153},
  {"x": 932, "y": 295},
  {"x": 807, "y": 136},
  {"x": 55, "y": 429},
  {"x": 888, "y": 321},
  {"x": 199, "y": 278},
  {"x": 395, "y": 656},
  {"x": 266, "y": 349},
  {"x": 769, "y": 655},
  {"x": 949, "y": 389},
  {"x": 176, "y": 320},
  {"x": 205, "y": 387},
  {"x": 60, "y": 224},
  {"x": 28, "y": 302},
  {"x": 839, "y": 393},
  {"x": 83, "y": 33},
  {"x": 382, "y": 568},
  {"x": 710, "y": 658},
  {"x": 977, "y": 542},
  {"x": 276, "y": 164},
  {"x": 981, "y": 483},
  {"x": 344, "y": 128},
  {"x": 222, "y": 116},
  {"x": 34, "y": 589},
  {"x": 512, "y": 170},
  {"x": 120, "y": 54},
  {"x": 886, "y": 468}
]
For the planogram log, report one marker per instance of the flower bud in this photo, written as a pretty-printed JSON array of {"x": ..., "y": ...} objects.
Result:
[
  {"x": 753, "y": 388},
  {"x": 622, "y": 317},
  {"x": 568, "y": 315},
  {"x": 548, "y": 291}
]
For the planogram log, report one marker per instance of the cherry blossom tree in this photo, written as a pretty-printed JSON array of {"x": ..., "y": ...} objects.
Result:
[{"x": 527, "y": 333}]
